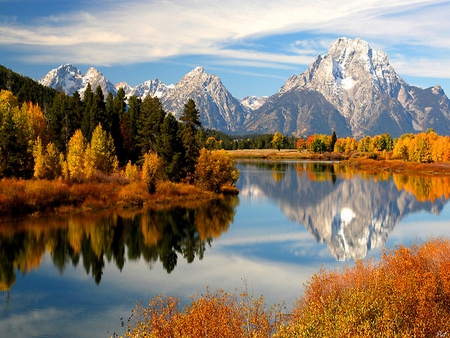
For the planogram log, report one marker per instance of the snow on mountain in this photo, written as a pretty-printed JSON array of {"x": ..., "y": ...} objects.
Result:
[
  {"x": 253, "y": 102},
  {"x": 218, "y": 108},
  {"x": 352, "y": 90},
  {"x": 66, "y": 78},
  {"x": 70, "y": 79},
  {"x": 363, "y": 87}
]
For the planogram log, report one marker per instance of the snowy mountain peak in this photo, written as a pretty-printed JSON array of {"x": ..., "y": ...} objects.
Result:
[
  {"x": 66, "y": 77},
  {"x": 69, "y": 79}
]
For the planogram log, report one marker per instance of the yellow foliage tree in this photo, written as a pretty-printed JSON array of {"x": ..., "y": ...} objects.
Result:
[
  {"x": 75, "y": 156},
  {"x": 215, "y": 169},
  {"x": 151, "y": 171},
  {"x": 100, "y": 153}
]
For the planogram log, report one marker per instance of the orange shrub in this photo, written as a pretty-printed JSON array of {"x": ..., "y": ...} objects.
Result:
[
  {"x": 218, "y": 314},
  {"x": 406, "y": 294}
]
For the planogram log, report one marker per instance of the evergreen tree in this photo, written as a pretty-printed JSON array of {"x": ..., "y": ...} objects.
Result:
[
  {"x": 150, "y": 121},
  {"x": 171, "y": 148},
  {"x": 88, "y": 100},
  {"x": 118, "y": 112},
  {"x": 191, "y": 122},
  {"x": 128, "y": 128},
  {"x": 56, "y": 118}
]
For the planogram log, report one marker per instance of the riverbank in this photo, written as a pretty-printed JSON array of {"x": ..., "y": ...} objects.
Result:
[
  {"x": 20, "y": 198},
  {"x": 360, "y": 162}
]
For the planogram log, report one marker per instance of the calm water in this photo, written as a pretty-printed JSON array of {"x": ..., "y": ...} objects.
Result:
[{"x": 76, "y": 277}]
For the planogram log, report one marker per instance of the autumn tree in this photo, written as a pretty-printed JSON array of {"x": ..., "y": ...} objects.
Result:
[
  {"x": 16, "y": 138},
  {"x": 75, "y": 156},
  {"x": 47, "y": 161},
  {"x": 100, "y": 154},
  {"x": 214, "y": 169},
  {"x": 278, "y": 140},
  {"x": 151, "y": 171}
]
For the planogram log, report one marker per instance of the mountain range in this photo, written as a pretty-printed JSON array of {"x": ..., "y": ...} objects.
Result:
[{"x": 352, "y": 90}]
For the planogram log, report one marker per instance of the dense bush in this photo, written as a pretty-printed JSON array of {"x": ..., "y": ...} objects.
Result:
[{"x": 405, "y": 294}]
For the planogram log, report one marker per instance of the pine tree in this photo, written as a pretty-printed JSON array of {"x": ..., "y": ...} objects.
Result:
[
  {"x": 150, "y": 121},
  {"x": 88, "y": 100},
  {"x": 171, "y": 148},
  {"x": 191, "y": 122}
]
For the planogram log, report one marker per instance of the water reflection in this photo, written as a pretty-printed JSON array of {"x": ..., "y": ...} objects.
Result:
[
  {"x": 154, "y": 235},
  {"x": 352, "y": 212}
]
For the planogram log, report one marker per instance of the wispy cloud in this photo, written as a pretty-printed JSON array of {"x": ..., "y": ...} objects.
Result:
[{"x": 142, "y": 31}]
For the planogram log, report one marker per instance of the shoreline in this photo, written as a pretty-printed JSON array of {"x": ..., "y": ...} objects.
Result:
[{"x": 361, "y": 163}]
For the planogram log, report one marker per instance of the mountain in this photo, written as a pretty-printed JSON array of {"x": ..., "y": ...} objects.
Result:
[
  {"x": 69, "y": 79},
  {"x": 362, "y": 86},
  {"x": 153, "y": 87},
  {"x": 218, "y": 108},
  {"x": 352, "y": 90}
]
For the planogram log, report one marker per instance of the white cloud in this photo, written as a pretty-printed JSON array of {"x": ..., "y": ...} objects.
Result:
[{"x": 138, "y": 30}]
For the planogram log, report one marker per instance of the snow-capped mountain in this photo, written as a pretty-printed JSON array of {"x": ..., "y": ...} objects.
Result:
[
  {"x": 153, "y": 87},
  {"x": 352, "y": 90},
  {"x": 218, "y": 108},
  {"x": 69, "y": 79},
  {"x": 362, "y": 87},
  {"x": 66, "y": 78},
  {"x": 253, "y": 102}
]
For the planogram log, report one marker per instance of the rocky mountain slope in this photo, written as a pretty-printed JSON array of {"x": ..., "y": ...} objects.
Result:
[
  {"x": 364, "y": 88},
  {"x": 352, "y": 90}
]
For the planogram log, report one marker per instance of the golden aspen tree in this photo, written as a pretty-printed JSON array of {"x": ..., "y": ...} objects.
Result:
[
  {"x": 37, "y": 121},
  {"x": 39, "y": 160},
  {"x": 75, "y": 156},
  {"x": 215, "y": 169},
  {"x": 100, "y": 153},
  {"x": 151, "y": 171},
  {"x": 131, "y": 171}
]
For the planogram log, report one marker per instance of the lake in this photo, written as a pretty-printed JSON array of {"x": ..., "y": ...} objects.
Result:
[{"x": 77, "y": 276}]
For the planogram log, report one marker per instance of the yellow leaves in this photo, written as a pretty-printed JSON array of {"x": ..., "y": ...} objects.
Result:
[
  {"x": 151, "y": 171},
  {"x": 215, "y": 169}
]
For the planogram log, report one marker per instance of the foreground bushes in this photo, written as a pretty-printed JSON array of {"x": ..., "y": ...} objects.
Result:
[{"x": 405, "y": 294}]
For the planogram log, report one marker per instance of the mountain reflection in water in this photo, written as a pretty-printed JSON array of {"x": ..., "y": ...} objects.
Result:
[
  {"x": 352, "y": 212},
  {"x": 113, "y": 236}
]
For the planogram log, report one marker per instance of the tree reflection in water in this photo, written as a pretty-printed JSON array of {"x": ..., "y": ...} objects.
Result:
[{"x": 154, "y": 235}]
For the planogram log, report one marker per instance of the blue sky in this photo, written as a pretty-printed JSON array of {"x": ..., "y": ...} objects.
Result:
[{"x": 253, "y": 46}]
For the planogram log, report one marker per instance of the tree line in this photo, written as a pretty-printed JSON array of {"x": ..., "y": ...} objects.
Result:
[{"x": 78, "y": 138}]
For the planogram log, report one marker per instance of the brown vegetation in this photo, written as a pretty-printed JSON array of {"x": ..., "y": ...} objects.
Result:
[
  {"x": 405, "y": 294},
  {"x": 23, "y": 197}
]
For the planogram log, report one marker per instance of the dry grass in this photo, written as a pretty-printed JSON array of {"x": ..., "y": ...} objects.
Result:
[{"x": 19, "y": 198}]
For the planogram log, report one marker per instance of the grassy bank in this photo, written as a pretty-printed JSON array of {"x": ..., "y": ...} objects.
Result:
[
  {"x": 19, "y": 198},
  {"x": 405, "y": 294},
  {"x": 360, "y": 161}
]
